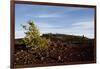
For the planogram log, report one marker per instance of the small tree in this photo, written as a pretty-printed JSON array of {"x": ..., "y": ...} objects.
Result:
[{"x": 32, "y": 37}]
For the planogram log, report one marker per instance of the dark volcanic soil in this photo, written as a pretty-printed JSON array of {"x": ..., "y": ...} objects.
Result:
[{"x": 59, "y": 51}]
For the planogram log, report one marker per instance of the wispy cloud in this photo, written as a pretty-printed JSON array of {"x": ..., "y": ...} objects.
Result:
[
  {"x": 46, "y": 25},
  {"x": 19, "y": 34},
  {"x": 48, "y": 16},
  {"x": 83, "y": 25}
]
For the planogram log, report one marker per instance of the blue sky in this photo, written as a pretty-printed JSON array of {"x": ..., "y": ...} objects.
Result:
[{"x": 55, "y": 19}]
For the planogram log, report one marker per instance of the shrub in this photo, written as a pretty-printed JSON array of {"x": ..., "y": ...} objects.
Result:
[{"x": 32, "y": 37}]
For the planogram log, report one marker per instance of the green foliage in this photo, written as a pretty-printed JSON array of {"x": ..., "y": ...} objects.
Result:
[{"x": 32, "y": 37}]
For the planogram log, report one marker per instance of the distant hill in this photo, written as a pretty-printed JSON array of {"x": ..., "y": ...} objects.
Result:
[
  {"x": 63, "y": 36},
  {"x": 60, "y": 37}
]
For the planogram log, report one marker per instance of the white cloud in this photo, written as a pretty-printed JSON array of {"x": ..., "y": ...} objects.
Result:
[
  {"x": 84, "y": 25},
  {"x": 45, "y": 25},
  {"x": 19, "y": 34},
  {"x": 47, "y": 15}
]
